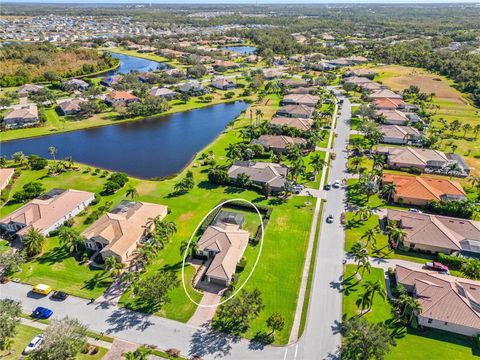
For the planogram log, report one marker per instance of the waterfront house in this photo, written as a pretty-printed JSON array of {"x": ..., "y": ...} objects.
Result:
[
  {"x": 300, "y": 111},
  {"x": 70, "y": 106},
  {"x": 261, "y": 173},
  {"x": 6, "y": 175},
  {"x": 120, "y": 97},
  {"x": 163, "y": 92},
  {"x": 279, "y": 143},
  {"x": 20, "y": 117},
  {"x": 301, "y": 99},
  {"x": 297, "y": 123},
  {"x": 223, "y": 83}
]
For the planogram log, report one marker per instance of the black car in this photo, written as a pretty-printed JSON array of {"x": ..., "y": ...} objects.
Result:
[
  {"x": 59, "y": 295},
  {"x": 330, "y": 219}
]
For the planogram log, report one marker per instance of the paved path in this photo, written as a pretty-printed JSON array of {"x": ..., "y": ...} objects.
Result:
[
  {"x": 208, "y": 305},
  {"x": 118, "y": 348},
  {"x": 321, "y": 337}
]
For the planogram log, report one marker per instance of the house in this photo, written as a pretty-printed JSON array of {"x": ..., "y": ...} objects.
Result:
[
  {"x": 111, "y": 80},
  {"x": 222, "y": 65},
  {"x": 274, "y": 175},
  {"x": 302, "y": 90},
  {"x": 448, "y": 303},
  {"x": 408, "y": 157},
  {"x": 297, "y": 123},
  {"x": 223, "y": 83},
  {"x": 121, "y": 231},
  {"x": 223, "y": 244},
  {"x": 23, "y": 116},
  {"x": 6, "y": 175},
  {"x": 270, "y": 74},
  {"x": 301, "y": 99},
  {"x": 46, "y": 213},
  {"x": 74, "y": 84},
  {"x": 357, "y": 80},
  {"x": 162, "y": 92},
  {"x": 437, "y": 234},
  {"x": 370, "y": 86},
  {"x": 26, "y": 89},
  {"x": 389, "y": 104},
  {"x": 293, "y": 83},
  {"x": 120, "y": 97},
  {"x": 361, "y": 72},
  {"x": 416, "y": 190},
  {"x": 70, "y": 106},
  {"x": 397, "y": 117},
  {"x": 301, "y": 111},
  {"x": 193, "y": 86},
  {"x": 279, "y": 143},
  {"x": 384, "y": 93},
  {"x": 403, "y": 135}
]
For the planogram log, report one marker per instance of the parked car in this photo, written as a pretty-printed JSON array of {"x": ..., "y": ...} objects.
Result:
[
  {"x": 34, "y": 344},
  {"x": 328, "y": 186},
  {"x": 334, "y": 156},
  {"x": 59, "y": 295},
  {"x": 336, "y": 184},
  {"x": 415, "y": 211},
  {"x": 437, "y": 266},
  {"x": 42, "y": 289},
  {"x": 330, "y": 219},
  {"x": 42, "y": 313},
  {"x": 343, "y": 218}
]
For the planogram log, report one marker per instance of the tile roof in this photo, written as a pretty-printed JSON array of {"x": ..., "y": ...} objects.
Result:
[
  {"x": 296, "y": 110},
  {"x": 414, "y": 156},
  {"x": 26, "y": 112},
  {"x": 121, "y": 95},
  {"x": 385, "y": 93},
  {"x": 297, "y": 123},
  {"x": 399, "y": 131},
  {"x": 271, "y": 173},
  {"x": 424, "y": 188},
  {"x": 439, "y": 231},
  {"x": 442, "y": 297},
  {"x": 279, "y": 141},
  {"x": 305, "y": 99},
  {"x": 388, "y": 103},
  {"x": 230, "y": 242}
]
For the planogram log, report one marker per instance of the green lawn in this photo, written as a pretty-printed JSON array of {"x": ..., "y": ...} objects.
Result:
[
  {"x": 26, "y": 333},
  {"x": 410, "y": 343}
]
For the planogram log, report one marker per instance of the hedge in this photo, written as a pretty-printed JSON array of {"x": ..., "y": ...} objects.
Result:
[{"x": 453, "y": 262}]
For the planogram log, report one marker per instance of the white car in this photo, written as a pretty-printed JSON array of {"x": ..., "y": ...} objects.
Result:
[
  {"x": 336, "y": 184},
  {"x": 415, "y": 211},
  {"x": 34, "y": 344}
]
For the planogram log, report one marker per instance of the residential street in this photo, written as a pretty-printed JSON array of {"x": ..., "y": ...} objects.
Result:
[{"x": 321, "y": 337}]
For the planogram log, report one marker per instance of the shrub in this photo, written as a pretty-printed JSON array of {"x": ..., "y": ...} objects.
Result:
[
  {"x": 36, "y": 162},
  {"x": 453, "y": 262}
]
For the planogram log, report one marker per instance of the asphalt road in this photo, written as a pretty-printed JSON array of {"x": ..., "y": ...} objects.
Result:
[{"x": 321, "y": 337}]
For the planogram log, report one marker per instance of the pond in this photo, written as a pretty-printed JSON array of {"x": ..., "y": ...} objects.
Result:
[
  {"x": 132, "y": 63},
  {"x": 147, "y": 148},
  {"x": 244, "y": 50}
]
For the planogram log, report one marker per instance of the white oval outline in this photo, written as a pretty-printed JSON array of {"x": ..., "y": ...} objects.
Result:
[{"x": 254, "y": 266}]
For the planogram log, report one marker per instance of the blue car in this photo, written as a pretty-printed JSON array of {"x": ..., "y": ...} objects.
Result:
[{"x": 42, "y": 313}]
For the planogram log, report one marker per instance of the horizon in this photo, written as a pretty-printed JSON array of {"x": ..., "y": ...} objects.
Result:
[{"x": 246, "y": 2}]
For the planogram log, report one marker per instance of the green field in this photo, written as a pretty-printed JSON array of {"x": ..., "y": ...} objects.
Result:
[{"x": 410, "y": 343}]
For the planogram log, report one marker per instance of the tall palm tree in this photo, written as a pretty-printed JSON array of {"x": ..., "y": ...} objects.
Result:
[
  {"x": 317, "y": 163},
  {"x": 360, "y": 254},
  {"x": 139, "y": 354},
  {"x": 19, "y": 158},
  {"x": 371, "y": 235},
  {"x": 371, "y": 289},
  {"x": 476, "y": 130},
  {"x": 296, "y": 169},
  {"x": 466, "y": 128},
  {"x": 475, "y": 181},
  {"x": 69, "y": 238},
  {"x": 132, "y": 192},
  {"x": 410, "y": 306},
  {"x": 33, "y": 242},
  {"x": 258, "y": 115},
  {"x": 190, "y": 250},
  {"x": 234, "y": 152},
  {"x": 363, "y": 266},
  {"x": 364, "y": 212},
  {"x": 52, "y": 150},
  {"x": 388, "y": 190},
  {"x": 396, "y": 233}
]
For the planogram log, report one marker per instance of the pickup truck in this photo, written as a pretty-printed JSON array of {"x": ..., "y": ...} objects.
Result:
[{"x": 437, "y": 266}]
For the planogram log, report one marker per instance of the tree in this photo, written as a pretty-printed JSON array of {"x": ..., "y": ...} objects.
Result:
[
  {"x": 471, "y": 269},
  {"x": 466, "y": 128},
  {"x": 275, "y": 322},
  {"x": 10, "y": 311},
  {"x": 360, "y": 254},
  {"x": 371, "y": 235},
  {"x": 52, "y": 150},
  {"x": 317, "y": 163},
  {"x": 186, "y": 184},
  {"x": 363, "y": 213},
  {"x": 11, "y": 261},
  {"x": 408, "y": 307},
  {"x": 235, "y": 316},
  {"x": 363, "y": 340},
  {"x": 113, "y": 266},
  {"x": 33, "y": 242},
  {"x": 139, "y": 354},
  {"x": 370, "y": 289},
  {"x": 297, "y": 168},
  {"x": 396, "y": 233},
  {"x": 161, "y": 231},
  {"x": 63, "y": 339},
  {"x": 388, "y": 191},
  {"x": 476, "y": 130},
  {"x": 29, "y": 191},
  {"x": 243, "y": 180},
  {"x": 234, "y": 152},
  {"x": 70, "y": 238},
  {"x": 153, "y": 290},
  {"x": 190, "y": 250},
  {"x": 36, "y": 162},
  {"x": 132, "y": 192}
]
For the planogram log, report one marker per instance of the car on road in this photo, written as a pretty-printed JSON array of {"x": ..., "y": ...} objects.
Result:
[
  {"x": 297, "y": 189},
  {"x": 328, "y": 186},
  {"x": 336, "y": 184},
  {"x": 34, "y": 344},
  {"x": 42, "y": 289},
  {"x": 434, "y": 265},
  {"x": 415, "y": 211},
  {"x": 42, "y": 313},
  {"x": 343, "y": 218},
  {"x": 59, "y": 295},
  {"x": 330, "y": 219}
]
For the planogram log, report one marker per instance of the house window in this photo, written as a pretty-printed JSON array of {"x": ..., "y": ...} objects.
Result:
[
  {"x": 446, "y": 323},
  {"x": 430, "y": 321}
]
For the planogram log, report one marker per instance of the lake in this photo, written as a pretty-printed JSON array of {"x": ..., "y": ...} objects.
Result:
[
  {"x": 244, "y": 50},
  {"x": 147, "y": 148},
  {"x": 132, "y": 63}
]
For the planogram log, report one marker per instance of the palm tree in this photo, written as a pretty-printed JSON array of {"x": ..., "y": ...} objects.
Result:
[
  {"x": 466, "y": 128},
  {"x": 317, "y": 163},
  {"x": 162, "y": 230},
  {"x": 371, "y": 235},
  {"x": 364, "y": 212},
  {"x": 475, "y": 181},
  {"x": 234, "y": 152},
  {"x": 69, "y": 238},
  {"x": 19, "y": 158},
  {"x": 359, "y": 254},
  {"x": 139, "y": 354},
  {"x": 7, "y": 345},
  {"x": 190, "y": 250},
  {"x": 388, "y": 190},
  {"x": 476, "y": 130},
  {"x": 132, "y": 192},
  {"x": 453, "y": 167},
  {"x": 363, "y": 266},
  {"x": 373, "y": 288},
  {"x": 396, "y": 233},
  {"x": 52, "y": 150},
  {"x": 113, "y": 266},
  {"x": 33, "y": 242},
  {"x": 297, "y": 169},
  {"x": 146, "y": 253},
  {"x": 410, "y": 306},
  {"x": 258, "y": 115}
]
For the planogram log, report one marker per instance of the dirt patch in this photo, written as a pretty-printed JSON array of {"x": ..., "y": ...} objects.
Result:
[
  {"x": 146, "y": 188},
  {"x": 186, "y": 216},
  {"x": 474, "y": 164}
]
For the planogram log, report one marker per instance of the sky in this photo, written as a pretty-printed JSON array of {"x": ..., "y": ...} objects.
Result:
[{"x": 246, "y": 1}]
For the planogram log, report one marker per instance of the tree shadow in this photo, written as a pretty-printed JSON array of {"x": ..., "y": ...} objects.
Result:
[
  {"x": 53, "y": 256},
  {"x": 233, "y": 190},
  {"x": 260, "y": 340},
  {"x": 123, "y": 319},
  {"x": 173, "y": 267},
  {"x": 99, "y": 280},
  {"x": 205, "y": 342},
  {"x": 277, "y": 201},
  {"x": 207, "y": 185}
]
